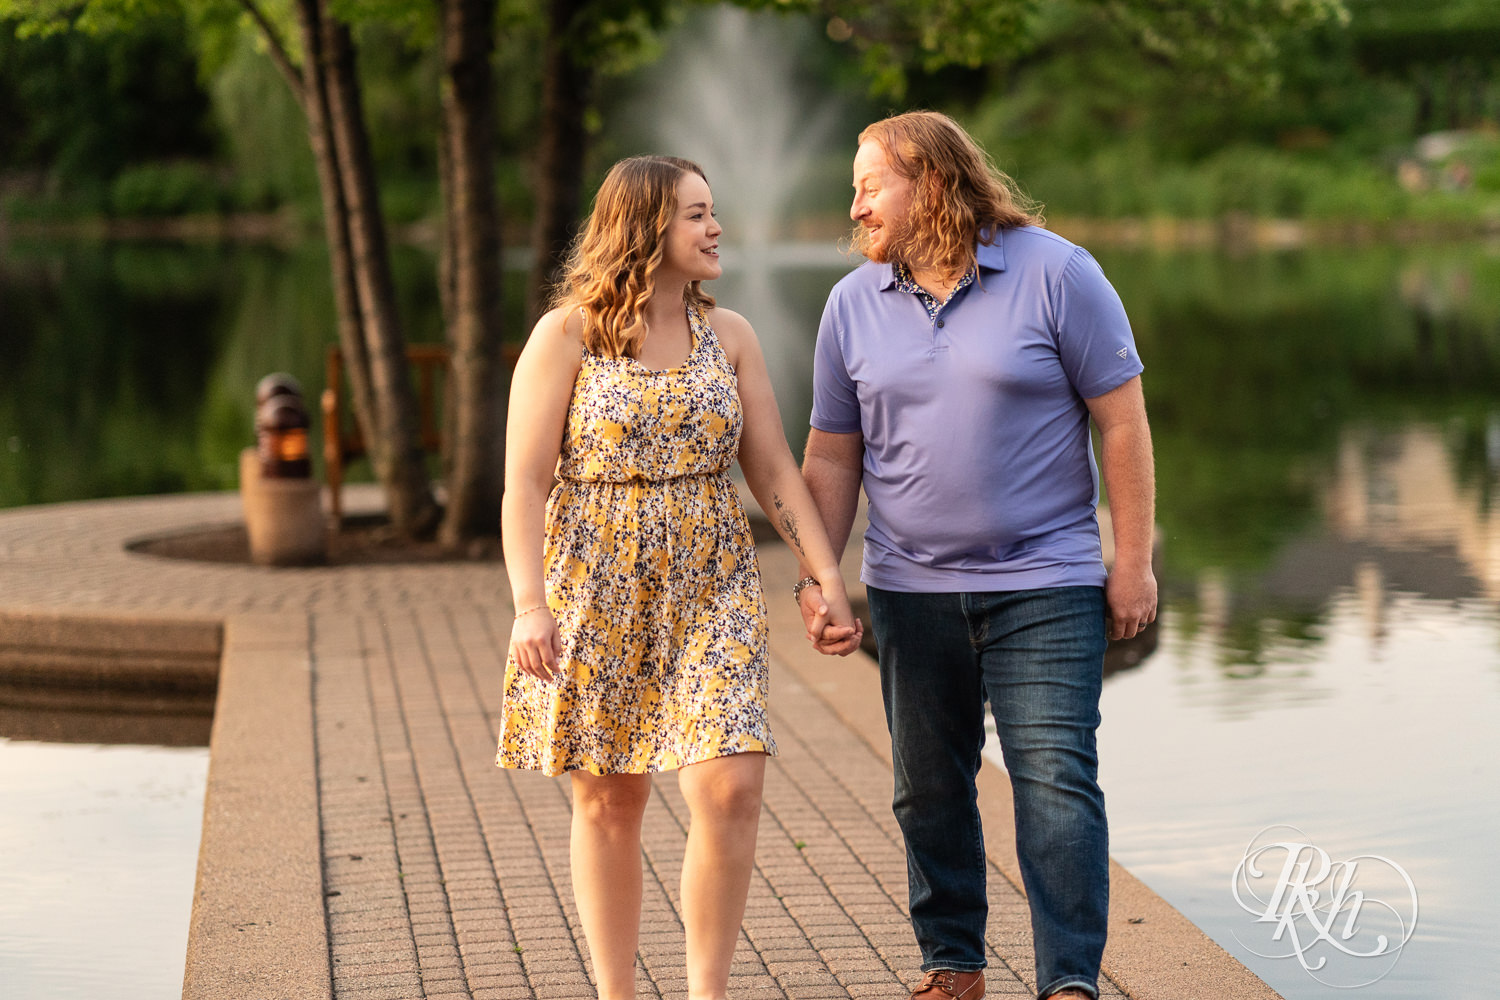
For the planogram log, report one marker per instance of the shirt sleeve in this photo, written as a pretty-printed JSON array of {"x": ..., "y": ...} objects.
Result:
[
  {"x": 1093, "y": 333},
  {"x": 835, "y": 398}
]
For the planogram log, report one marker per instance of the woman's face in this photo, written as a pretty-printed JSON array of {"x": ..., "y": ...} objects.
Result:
[{"x": 692, "y": 242}]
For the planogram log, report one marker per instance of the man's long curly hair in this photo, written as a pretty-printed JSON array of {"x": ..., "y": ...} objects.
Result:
[
  {"x": 959, "y": 196},
  {"x": 612, "y": 265}
]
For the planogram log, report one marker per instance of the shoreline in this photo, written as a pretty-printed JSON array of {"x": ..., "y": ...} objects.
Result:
[{"x": 1235, "y": 232}]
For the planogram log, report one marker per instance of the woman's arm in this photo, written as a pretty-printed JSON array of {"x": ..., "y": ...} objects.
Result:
[
  {"x": 777, "y": 483},
  {"x": 539, "y": 395}
]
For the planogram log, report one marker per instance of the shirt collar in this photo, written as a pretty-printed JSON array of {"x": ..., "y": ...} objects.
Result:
[{"x": 990, "y": 257}]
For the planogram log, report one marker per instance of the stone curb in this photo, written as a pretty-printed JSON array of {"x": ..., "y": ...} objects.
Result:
[{"x": 258, "y": 927}]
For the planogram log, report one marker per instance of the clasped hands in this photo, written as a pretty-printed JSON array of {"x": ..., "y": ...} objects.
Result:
[{"x": 831, "y": 626}]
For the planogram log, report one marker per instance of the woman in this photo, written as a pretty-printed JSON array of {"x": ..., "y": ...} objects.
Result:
[{"x": 639, "y": 641}]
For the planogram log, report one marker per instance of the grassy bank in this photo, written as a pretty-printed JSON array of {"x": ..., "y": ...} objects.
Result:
[{"x": 1122, "y": 195}]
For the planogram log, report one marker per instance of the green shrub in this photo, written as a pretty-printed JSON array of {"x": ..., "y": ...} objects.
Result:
[
  {"x": 1354, "y": 192},
  {"x": 158, "y": 189},
  {"x": 1258, "y": 182},
  {"x": 409, "y": 199},
  {"x": 76, "y": 200},
  {"x": 1181, "y": 192},
  {"x": 1487, "y": 177}
]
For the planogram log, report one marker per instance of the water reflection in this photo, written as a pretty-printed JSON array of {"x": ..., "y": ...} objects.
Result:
[
  {"x": 130, "y": 369},
  {"x": 1346, "y": 687},
  {"x": 1401, "y": 493},
  {"x": 1393, "y": 515}
]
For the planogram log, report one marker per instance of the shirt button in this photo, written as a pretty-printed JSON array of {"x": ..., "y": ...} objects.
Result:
[{"x": 939, "y": 324}]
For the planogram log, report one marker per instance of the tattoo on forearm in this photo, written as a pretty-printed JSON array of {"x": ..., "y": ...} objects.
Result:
[{"x": 788, "y": 522}]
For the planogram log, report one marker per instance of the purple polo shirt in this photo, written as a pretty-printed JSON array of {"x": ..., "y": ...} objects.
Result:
[{"x": 978, "y": 465}]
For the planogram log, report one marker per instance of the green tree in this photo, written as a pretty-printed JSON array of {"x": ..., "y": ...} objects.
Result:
[
  {"x": 584, "y": 41},
  {"x": 472, "y": 271},
  {"x": 1235, "y": 42},
  {"x": 326, "y": 84},
  {"x": 80, "y": 108},
  {"x": 311, "y": 42},
  {"x": 1448, "y": 50}
]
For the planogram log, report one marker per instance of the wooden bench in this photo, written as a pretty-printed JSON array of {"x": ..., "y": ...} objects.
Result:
[{"x": 342, "y": 441}]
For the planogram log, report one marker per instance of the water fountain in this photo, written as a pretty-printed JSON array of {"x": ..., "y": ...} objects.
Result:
[
  {"x": 729, "y": 97},
  {"x": 733, "y": 96}
]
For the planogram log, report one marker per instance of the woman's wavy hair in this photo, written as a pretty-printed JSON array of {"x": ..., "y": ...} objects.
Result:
[
  {"x": 959, "y": 196},
  {"x": 611, "y": 268}
]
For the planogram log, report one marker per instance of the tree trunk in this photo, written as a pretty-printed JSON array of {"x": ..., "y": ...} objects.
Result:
[
  {"x": 477, "y": 380},
  {"x": 447, "y": 253},
  {"x": 566, "y": 88},
  {"x": 394, "y": 436},
  {"x": 447, "y": 292},
  {"x": 312, "y": 93}
]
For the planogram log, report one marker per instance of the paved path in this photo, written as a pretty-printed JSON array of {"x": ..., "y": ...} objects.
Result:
[{"x": 359, "y": 842}]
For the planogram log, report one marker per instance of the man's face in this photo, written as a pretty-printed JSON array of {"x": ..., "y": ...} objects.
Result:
[{"x": 882, "y": 203}]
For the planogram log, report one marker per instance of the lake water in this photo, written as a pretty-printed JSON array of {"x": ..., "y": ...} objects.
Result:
[
  {"x": 1327, "y": 427},
  {"x": 1347, "y": 688},
  {"x": 100, "y": 849},
  {"x": 1372, "y": 734}
]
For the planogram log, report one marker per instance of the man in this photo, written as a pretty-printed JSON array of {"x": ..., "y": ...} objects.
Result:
[{"x": 956, "y": 373}]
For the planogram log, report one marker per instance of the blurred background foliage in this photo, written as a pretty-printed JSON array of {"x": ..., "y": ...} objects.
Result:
[{"x": 1388, "y": 113}]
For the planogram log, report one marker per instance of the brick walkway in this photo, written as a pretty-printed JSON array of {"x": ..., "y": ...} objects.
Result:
[{"x": 359, "y": 842}]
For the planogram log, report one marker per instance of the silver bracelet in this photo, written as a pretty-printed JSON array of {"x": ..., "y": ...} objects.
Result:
[{"x": 803, "y": 584}]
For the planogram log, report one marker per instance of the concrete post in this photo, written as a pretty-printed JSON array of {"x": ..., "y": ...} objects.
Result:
[{"x": 284, "y": 517}]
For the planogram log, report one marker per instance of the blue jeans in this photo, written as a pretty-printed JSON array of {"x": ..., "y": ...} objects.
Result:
[{"x": 1038, "y": 656}]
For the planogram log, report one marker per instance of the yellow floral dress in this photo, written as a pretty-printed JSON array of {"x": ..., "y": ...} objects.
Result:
[{"x": 651, "y": 574}]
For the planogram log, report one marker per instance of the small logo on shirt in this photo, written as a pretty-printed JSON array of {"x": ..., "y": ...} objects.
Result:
[{"x": 1123, "y": 352}]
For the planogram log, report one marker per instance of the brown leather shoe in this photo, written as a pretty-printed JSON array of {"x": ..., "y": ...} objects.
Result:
[
  {"x": 945, "y": 984},
  {"x": 1069, "y": 993}
]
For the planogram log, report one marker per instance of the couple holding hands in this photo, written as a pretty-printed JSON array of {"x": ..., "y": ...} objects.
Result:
[{"x": 955, "y": 378}]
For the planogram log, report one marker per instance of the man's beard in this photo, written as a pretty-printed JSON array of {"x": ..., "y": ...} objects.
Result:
[{"x": 897, "y": 247}]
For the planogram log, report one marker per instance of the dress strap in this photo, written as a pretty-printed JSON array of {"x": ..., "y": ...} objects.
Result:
[{"x": 702, "y": 331}]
